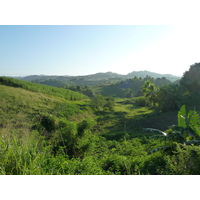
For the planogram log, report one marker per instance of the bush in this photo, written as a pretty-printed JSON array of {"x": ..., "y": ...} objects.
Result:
[
  {"x": 185, "y": 161},
  {"x": 66, "y": 136},
  {"x": 140, "y": 101},
  {"x": 48, "y": 122},
  {"x": 100, "y": 103},
  {"x": 85, "y": 125}
]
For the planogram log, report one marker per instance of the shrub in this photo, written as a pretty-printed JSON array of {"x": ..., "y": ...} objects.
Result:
[
  {"x": 100, "y": 103},
  {"x": 85, "y": 125},
  {"x": 48, "y": 122},
  {"x": 185, "y": 161},
  {"x": 140, "y": 101}
]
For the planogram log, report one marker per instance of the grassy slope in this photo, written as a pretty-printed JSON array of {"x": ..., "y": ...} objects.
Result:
[
  {"x": 20, "y": 108},
  {"x": 131, "y": 119},
  {"x": 19, "y": 105},
  {"x": 48, "y": 90},
  {"x": 24, "y": 152}
]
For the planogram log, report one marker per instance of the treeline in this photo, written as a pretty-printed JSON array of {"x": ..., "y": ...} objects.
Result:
[
  {"x": 164, "y": 98},
  {"x": 128, "y": 88},
  {"x": 172, "y": 97},
  {"x": 131, "y": 87},
  {"x": 86, "y": 90},
  {"x": 34, "y": 87}
]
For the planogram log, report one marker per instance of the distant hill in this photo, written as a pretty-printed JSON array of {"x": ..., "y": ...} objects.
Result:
[
  {"x": 145, "y": 73},
  {"x": 101, "y": 76},
  {"x": 93, "y": 79}
]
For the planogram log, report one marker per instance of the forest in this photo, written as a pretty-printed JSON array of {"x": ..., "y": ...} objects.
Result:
[{"x": 134, "y": 126}]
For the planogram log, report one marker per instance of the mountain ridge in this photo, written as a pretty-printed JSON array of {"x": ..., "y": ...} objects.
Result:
[{"x": 100, "y": 76}]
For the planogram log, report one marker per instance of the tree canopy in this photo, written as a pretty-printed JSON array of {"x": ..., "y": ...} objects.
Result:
[{"x": 191, "y": 78}]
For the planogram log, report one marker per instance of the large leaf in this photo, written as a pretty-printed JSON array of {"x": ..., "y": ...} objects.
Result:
[
  {"x": 194, "y": 121},
  {"x": 182, "y": 121}
]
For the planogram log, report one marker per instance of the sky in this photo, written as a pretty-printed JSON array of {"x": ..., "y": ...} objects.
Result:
[{"x": 88, "y": 49}]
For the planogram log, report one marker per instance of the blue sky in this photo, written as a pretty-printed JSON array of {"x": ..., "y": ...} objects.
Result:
[{"x": 88, "y": 49}]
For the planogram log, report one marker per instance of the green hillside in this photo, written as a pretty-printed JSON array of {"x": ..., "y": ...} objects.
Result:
[
  {"x": 93, "y": 79},
  {"x": 48, "y": 130},
  {"x": 23, "y": 108},
  {"x": 49, "y": 90},
  {"x": 129, "y": 87}
]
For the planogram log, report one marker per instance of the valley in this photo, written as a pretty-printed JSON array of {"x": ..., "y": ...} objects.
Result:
[{"x": 106, "y": 128}]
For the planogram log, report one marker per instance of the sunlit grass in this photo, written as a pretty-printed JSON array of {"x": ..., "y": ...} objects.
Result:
[{"x": 130, "y": 109}]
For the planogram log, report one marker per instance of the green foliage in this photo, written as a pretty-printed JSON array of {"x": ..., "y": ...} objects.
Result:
[
  {"x": 72, "y": 137},
  {"x": 34, "y": 87},
  {"x": 187, "y": 131},
  {"x": 65, "y": 137},
  {"x": 100, "y": 103},
  {"x": 141, "y": 101},
  {"x": 185, "y": 161},
  {"x": 85, "y": 125},
  {"x": 164, "y": 98},
  {"x": 68, "y": 109},
  {"x": 86, "y": 90},
  {"x": 190, "y": 79},
  {"x": 128, "y": 93},
  {"x": 182, "y": 117},
  {"x": 48, "y": 122},
  {"x": 40, "y": 135},
  {"x": 189, "y": 122},
  {"x": 110, "y": 103},
  {"x": 130, "y": 87},
  {"x": 149, "y": 90},
  {"x": 171, "y": 97}
]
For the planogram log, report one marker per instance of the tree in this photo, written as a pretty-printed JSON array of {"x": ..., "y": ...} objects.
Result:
[
  {"x": 101, "y": 103},
  {"x": 110, "y": 103},
  {"x": 191, "y": 78},
  {"x": 128, "y": 93},
  {"x": 149, "y": 90},
  {"x": 98, "y": 102},
  {"x": 170, "y": 97}
]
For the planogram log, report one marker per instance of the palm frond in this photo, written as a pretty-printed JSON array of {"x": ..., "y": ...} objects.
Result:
[{"x": 152, "y": 130}]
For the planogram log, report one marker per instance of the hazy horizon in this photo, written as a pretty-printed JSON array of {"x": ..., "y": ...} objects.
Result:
[{"x": 89, "y": 74}]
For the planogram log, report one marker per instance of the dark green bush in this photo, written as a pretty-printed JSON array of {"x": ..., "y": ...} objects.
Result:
[
  {"x": 85, "y": 125},
  {"x": 140, "y": 101},
  {"x": 48, "y": 122}
]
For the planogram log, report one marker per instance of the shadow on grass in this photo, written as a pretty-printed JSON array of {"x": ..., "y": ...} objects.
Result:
[{"x": 117, "y": 125}]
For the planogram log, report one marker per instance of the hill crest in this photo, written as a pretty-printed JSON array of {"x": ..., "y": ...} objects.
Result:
[{"x": 100, "y": 76}]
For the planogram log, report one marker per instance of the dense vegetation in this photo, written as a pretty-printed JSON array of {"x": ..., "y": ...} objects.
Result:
[
  {"x": 42, "y": 131},
  {"x": 124, "y": 89}
]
